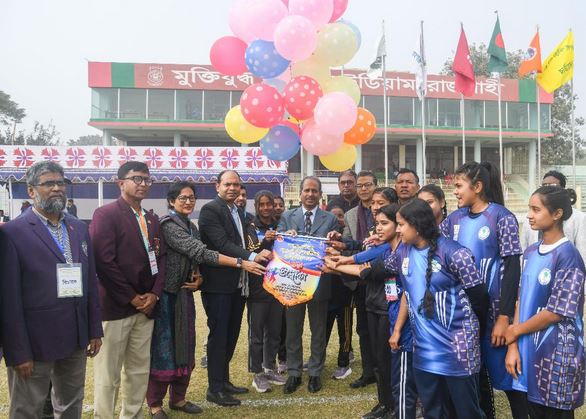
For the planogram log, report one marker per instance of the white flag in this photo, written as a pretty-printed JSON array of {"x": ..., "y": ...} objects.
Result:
[
  {"x": 375, "y": 70},
  {"x": 420, "y": 67}
]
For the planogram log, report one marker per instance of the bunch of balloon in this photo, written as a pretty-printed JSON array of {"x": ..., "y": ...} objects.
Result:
[{"x": 290, "y": 47}]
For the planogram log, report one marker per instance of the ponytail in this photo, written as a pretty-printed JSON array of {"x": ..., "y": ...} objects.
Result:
[{"x": 487, "y": 174}]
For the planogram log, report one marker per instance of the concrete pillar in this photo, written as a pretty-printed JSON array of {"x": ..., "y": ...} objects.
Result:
[
  {"x": 176, "y": 140},
  {"x": 456, "y": 159},
  {"x": 508, "y": 160},
  {"x": 358, "y": 164},
  {"x": 106, "y": 137},
  {"x": 477, "y": 151},
  {"x": 402, "y": 153},
  {"x": 419, "y": 159},
  {"x": 309, "y": 166},
  {"x": 532, "y": 166}
]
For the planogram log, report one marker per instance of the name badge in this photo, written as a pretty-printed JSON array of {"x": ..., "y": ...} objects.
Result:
[
  {"x": 391, "y": 291},
  {"x": 153, "y": 262},
  {"x": 69, "y": 280}
]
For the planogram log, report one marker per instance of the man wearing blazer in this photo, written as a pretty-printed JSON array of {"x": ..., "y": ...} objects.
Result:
[
  {"x": 51, "y": 319},
  {"x": 222, "y": 226},
  {"x": 130, "y": 260},
  {"x": 308, "y": 220}
]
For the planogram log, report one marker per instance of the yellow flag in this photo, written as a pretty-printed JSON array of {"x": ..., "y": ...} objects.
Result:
[{"x": 558, "y": 68}]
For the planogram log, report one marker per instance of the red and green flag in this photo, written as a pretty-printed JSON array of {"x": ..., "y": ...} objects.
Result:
[{"x": 497, "y": 62}]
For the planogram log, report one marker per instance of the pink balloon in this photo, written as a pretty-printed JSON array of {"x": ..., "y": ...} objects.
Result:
[
  {"x": 301, "y": 95},
  {"x": 285, "y": 2},
  {"x": 227, "y": 55},
  {"x": 340, "y": 7},
  {"x": 318, "y": 11},
  {"x": 317, "y": 142},
  {"x": 335, "y": 113},
  {"x": 266, "y": 15},
  {"x": 262, "y": 105},
  {"x": 295, "y": 38},
  {"x": 241, "y": 19}
]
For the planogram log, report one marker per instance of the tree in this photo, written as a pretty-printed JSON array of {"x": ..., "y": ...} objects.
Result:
[
  {"x": 86, "y": 140},
  {"x": 40, "y": 135},
  {"x": 558, "y": 149},
  {"x": 9, "y": 110}
]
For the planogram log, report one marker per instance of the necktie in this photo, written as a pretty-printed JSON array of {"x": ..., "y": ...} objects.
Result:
[{"x": 307, "y": 227}]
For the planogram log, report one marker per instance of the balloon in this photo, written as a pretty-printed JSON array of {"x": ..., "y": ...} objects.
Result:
[
  {"x": 295, "y": 38},
  {"x": 241, "y": 19},
  {"x": 262, "y": 105},
  {"x": 239, "y": 129},
  {"x": 363, "y": 130},
  {"x": 281, "y": 143},
  {"x": 356, "y": 32},
  {"x": 339, "y": 9},
  {"x": 336, "y": 44},
  {"x": 277, "y": 84},
  {"x": 313, "y": 69},
  {"x": 227, "y": 55},
  {"x": 341, "y": 159},
  {"x": 335, "y": 113},
  {"x": 301, "y": 95},
  {"x": 318, "y": 11},
  {"x": 317, "y": 141},
  {"x": 266, "y": 15},
  {"x": 343, "y": 84},
  {"x": 285, "y": 2},
  {"x": 263, "y": 60}
]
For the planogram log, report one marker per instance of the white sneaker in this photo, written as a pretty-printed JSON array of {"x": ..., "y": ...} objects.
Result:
[
  {"x": 282, "y": 367},
  {"x": 341, "y": 372},
  {"x": 260, "y": 383},
  {"x": 275, "y": 378}
]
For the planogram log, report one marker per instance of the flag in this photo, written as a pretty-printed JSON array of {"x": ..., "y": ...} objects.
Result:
[
  {"x": 420, "y": 67},
  {"x": 532, "y": 62},
  {"x": 462, "y": 67},
  {"x": 558, "y": 68},
  {"x": 375, "y": 70},
  {"x": 497, "y": 62}
]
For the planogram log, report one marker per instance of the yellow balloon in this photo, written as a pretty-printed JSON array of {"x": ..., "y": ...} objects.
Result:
[
  {"x": 343, "y": 84},
  {"x": 342, "y": 159},
  {"x": 312, "y": 68},
  {"x": 336, "y": 44},
  {"x": 240, "y": 130}
]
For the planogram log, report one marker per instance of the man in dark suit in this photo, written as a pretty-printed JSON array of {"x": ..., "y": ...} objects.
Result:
[
  {"x": 308, "y": 220},
  {"x": 3, "y": 218},
  {"x": 222, "y": 226},
  {"x": 71, "y": 208},
  {"x": 130, "y": 259},
  {"x": 50, "y": 307}
]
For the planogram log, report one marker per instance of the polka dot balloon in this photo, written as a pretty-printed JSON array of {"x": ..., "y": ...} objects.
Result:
[
  {"x": 281, "y": 143},
  {"x": 301, "y": 95},
  {"x": 363, "y": 130},
  {"x": 317, "y": 142},
  {"x": 262, "y": 105},
  {"x": 263, "y": 60}
]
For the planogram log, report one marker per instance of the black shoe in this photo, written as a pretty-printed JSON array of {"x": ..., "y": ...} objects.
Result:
[
  {"x": 380, "y": 411},
  {"x": 362, "y": 381},
  {"x": 292, "y": 384},
  {"x": 314, "y": 384},
  {"x": 221, "y": 398},
  {"x": 232, "y": 389},
  {"x": 188, "y": 407}
]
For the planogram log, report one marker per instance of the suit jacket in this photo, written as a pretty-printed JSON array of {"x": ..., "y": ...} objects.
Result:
[
  {"x": 36, "y": 325},
  {"x": 122, "y": 261},
  {"x": 323, "y": 223},
  {"x": 4, "y": 219},
  {"x": 351, "y": 224},
  {"x": 219, "y": 232}
]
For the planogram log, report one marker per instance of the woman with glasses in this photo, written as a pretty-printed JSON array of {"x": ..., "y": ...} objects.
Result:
[{"x": 173, "y": 343}]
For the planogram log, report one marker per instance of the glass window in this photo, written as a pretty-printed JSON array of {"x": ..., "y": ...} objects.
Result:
[
  {"x": 236, "y": 97},
  {"x": 545, "y": 116},
  {"x": 449, "y": 113},
  {"x": 491, "y": 114},
  {"x": 401, "y": 110},
  {"x": 473, "y": 112},
  {"x": 161, "y": 104},
  {"x": 373, "y": 158},
  {"x": 105, "y": 103},
  {"x": 517, "y": 115},
  {"x": 132, "y": 104},
  {"x": 411, "y": 157},
  {"x": 375, "y": 105},
  {"x": 430, "y": 112},
  {"x": 189, "y": 104},
  {"x": 216, "y": 105}
]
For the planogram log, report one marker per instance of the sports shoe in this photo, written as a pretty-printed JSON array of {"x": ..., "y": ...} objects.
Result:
[
  {"x": 260, "y": 383},
  {"x": 282, "y": 367},
  {"x": 341, "y": 372},
  {"x": 275, "y": 378}
]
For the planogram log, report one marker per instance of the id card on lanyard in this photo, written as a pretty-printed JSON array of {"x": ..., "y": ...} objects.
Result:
[
  {"x": 145, "y": 239},
  {"x": 391, "y": 291},
  {"x": 69, "y": 277}
]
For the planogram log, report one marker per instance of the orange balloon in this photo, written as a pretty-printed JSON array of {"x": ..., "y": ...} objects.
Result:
[{"x": 363, "y": 130}]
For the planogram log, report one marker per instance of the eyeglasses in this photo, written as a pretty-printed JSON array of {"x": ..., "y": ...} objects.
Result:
[
  {"x": 346, "y": 182},
  {"x": 139, "y": 179},
  {"x": 183, "y": 198},
  {"x": 364, "y": 185},
  {"x": 50, "y": 184}
]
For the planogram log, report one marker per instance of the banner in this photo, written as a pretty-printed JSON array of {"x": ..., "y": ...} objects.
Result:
[{"x": 293, "y": 274}]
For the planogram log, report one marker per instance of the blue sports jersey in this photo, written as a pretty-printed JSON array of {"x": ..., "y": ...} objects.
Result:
[
  {"x": 491, "y": 236},
  {"x": 448, "y": 344},
  {"x": 552, "y": 360}
]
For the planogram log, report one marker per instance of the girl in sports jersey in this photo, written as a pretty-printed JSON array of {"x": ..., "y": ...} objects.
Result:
[
  {"x": 435, "y": 197},
  {"x": 546, "y": 342},
  {"x": 443, "y": 292},
  {"x": 491, "y": 232}
]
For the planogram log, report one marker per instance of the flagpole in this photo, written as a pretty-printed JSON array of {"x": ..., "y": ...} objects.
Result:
[
  {"x": 573, "y": 134},
  {"x": 462, "y": 120},
  {"x": 423, "y": 139},
  {"x": 538, "y": 132},
  {"x": 500, "y": 130},
  {"x": 385, "y": 122}
]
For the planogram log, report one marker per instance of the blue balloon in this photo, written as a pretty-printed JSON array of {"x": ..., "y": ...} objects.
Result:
[
  {"x": 263, "y": 60},
  {"x": 281, "y": 143},
  {"x": 356, "y": 31},
  {"x": 276, "y": 83}
]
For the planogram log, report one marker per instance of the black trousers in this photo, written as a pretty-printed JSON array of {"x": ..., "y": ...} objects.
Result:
[
  {"x": 517, "y": 399},
  {"x": 343, "y": 316},
  {"x": 403, "y": 383},
  {"x": 224, "y": 312},
  {"x": 264, "y": 332},
  {"x": 282, "y": 354},
  {"x": 378, "y": 330},
  {"x": 366, "y": 355},
  {"x": 539, "y": 411}
]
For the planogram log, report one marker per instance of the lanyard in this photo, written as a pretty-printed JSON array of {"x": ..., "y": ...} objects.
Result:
[
  {"x": 143, "y": 227},
  {"x": 60, "y": 244}
]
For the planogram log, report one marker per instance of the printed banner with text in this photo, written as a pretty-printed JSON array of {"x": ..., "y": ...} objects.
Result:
[{"x": 293, "y": 275}]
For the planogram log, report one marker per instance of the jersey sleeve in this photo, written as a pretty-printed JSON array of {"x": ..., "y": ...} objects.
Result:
[
  {"x": 508, "y": 236},
  {"x": 445, "y": 229},
  {"x": 462, "y": 266},
  {"x": 393, "y": 262},
  {"x": 566, "y": 292}
]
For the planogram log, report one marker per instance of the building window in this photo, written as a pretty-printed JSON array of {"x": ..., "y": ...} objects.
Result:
[
  {"x": 236, "y": 95},
  {"x": 373, "y": 158},
  {"x": 401, "y": 110},
  {"x": 517, "y": 115},
  {"x": 189, "y": 105},
  {"x": 216, "y": 105},
  {"x": 430, "y": 112},
  {"x": 132, "y": 104},
  {"x": 161, "y": 104},
  {"x": 491, "y": 114},
  {"x": 544, "y": 116},
  {"x": 375, "y": 105},
  {"x": 105, "y": 103},
  {"x": 449, "y": 113},
  {"x": 473, "y": 111}
]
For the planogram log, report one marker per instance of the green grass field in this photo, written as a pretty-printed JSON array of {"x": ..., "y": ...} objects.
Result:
[{"x": 335, "y": 400}]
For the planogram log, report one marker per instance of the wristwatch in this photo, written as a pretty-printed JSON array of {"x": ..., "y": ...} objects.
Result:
[{"x": 239, "y": 263}]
